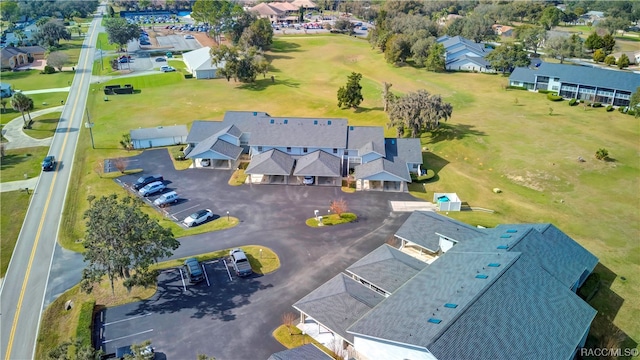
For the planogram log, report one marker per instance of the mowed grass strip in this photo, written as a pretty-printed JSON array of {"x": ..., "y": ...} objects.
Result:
[
  {"x": 34, "y": 80},
  {"x": 13, "y": 205},
  {"x": 40, "y": 101},
  {"x": 496, "y": 138},
  {"x": 18, "y": 162},
  {"x": 44, "y": 126}
]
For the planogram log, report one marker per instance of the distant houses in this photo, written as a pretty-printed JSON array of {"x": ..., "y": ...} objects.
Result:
[{"x": 465, "y": 55}]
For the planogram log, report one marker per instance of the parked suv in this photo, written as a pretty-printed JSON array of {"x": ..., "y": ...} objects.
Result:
[
  {"x": 49, "y": 163},
  {"x": 166, "y": 198},
  {"x": 194, "y": 270},
  {"x": 144, "y": 180},
  {"x": 240, "y": 262},
  {"x": 152, "y": 188}
]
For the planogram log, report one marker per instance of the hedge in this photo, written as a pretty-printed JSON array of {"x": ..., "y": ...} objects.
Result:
[
  {"x": 596, "y": 104},
  {"x": 516, "y": 87},
  {"x": 553, "y": 97},
  {"x": 609, "y": 108},
  {"x": 83, "y": 332},
  {"x": 546, "y": 92},
  {"x": 573, "y": 102}
]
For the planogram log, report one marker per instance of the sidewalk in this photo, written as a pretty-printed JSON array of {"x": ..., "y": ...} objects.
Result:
[
  {"x": 19, "y": 185},
  {"x": 41, "y": 91},
  {"x": 12, "y": 131}
]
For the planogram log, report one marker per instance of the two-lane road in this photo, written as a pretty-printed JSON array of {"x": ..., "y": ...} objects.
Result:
[{"x": 23, "y": 289}]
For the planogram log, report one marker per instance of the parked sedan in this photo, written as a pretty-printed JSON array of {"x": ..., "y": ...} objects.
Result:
[
  {"x": 152, "y": 188},
  {"x": 148, "y": 179},
  {"x": 161, "y": 59},
  {"x": 198, "y": 218}
]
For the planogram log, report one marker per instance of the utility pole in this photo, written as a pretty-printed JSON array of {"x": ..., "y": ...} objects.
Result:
[
  {"x": 101, "y": 54},
  {"x": 89, "y": 125}
]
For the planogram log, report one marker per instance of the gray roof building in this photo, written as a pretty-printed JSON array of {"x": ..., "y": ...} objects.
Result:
[
  {"x": 338, "y": 303},
  {"x": 424, "y": 228},
  {"x": 366, "y": 139},
  {"x": 304, "y": 352},
  {"x": 159, "y": 132},
  {"x": 272, "y": 162},
  {"x": 381, "y": 169},
  {"x": 386, "y": 268},
  {"x": 299, "y": 132},
  {"x": 579, "y": 75},
  {"x": 318, "y": 163},
  {"x": 408, "y": 150}
]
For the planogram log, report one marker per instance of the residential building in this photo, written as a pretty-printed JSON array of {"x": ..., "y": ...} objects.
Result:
[
  {"x": 608, "y": 87},
  {"x": 502, "y": 30},
  {"x": 285, "y": 150},
  {"x": 5, "y": 91},
  {"x": 276, "y": 12},
  {"x": 464, "y": 55},
  {"x": 634, "y": 56},
  {"x": 492, "y": 294},
  {"x": 306, "y": 352},
  {"x": 144, "y": 138},
  {"x": 15, "y": 57}
]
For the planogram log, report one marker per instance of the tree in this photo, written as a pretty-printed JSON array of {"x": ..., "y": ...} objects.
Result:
[
  {"x": 613, "y": 24},
  {"x": 288, "y": 319},
  {"x": 508, "y": 56},
  {"x": 387, "y": 95},
  {"x": 550, "y": 17},
  {"x": 20, "y": 102},
  {"x": 338, "y": 207},
  {"x": 593, "y": 42},
  {"x": 561, "y": 47},
  {"x": 419, "y": 112},
  {"x": 634, "y": 102},
  {"x": 351, "y": 94},
  {"x": 82, "y": 351},
  {"x": 123, "y": 242},
  {"x": 120, "y": 32},
  {"x": 120, "y": 164},
  {"x": 610, "y": 60},
  {"x": 623, "y": 61},
  {"x": 599, "y": 55},
  {"x": 420, "y": 50},
  {"x": 242, "y": 66},
  {"x": 140, "y": 351},
  {"x": 258, "y": 34},
  {"x": 532, "y": 37},
  {"x": 608, "y": 43},
  {"x": 126, "y": 142},
  {"x": 219, "y": 14},
  {"x": 20, "y": 35},
  {"x": 435, "y": 59},
  {"x": 398, "y": 49},
  {"x": 9, "y": 10},
  {"x": 43, "y": 20},
  {"x": 57, "y": 59},
  {"x": 204, "y": 357},
  {"x": 3, "y": 103},
  {"x": 241, "y": 23},
  {"x": 602, "y": 154},
  {"x": 51, "y": 33},
  {"x": 477, "y": 28}
]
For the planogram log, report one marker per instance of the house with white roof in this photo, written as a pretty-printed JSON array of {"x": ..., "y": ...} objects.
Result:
[
  {"x": 500, "y": 293},
  {"x": 285, "y": 150},
  {"x": 199, "y": 63}
]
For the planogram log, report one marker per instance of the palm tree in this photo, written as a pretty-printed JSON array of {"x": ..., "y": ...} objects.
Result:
[
  {"x": 386, "y": 95},
  {"x": 20, "y": 102}
]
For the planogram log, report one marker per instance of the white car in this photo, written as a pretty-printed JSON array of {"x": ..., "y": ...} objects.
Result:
[
  {"x": 197, "y": 218},
  {"x": 167, "y": 68},
  {"x": 189, "y": 37},
  {"x": 308, "y": 180},
  {"x": 152, "y": 188}
]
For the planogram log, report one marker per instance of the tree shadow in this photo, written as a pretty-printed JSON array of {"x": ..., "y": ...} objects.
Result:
[
  {"x": 262, "y": 84},
  {"x": 11, "y": 160},
  {"x": 433, "y": 162},
  {"x": 272, "y": 57},
  {"x": 365, "y": 110},
  {"x": 281, "y": 46},
  {"x": 448, "y": 132}
]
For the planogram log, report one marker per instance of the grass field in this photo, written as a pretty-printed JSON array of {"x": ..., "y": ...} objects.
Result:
[
  {"x": 491, "y": 141},
  {"x": 103, "y": 43},
  {"x": 14, "y": 203},
  {"x": 40, "y": 101},
  {"x": 33, "y": 80},
  {"x": 18, "y": 162},
  {"x": 44, "y": 126}
]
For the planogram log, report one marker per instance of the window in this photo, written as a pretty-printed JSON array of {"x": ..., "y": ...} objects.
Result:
[
  {"x": 288, "y": 149},
  {"x": 335, "y": 151},
  {"x": 315, "y": 122},
  {"x": 304, "y": 150},
  {"x": 554, "y": 88},
  {"x": 328, "y": 122},
  {"x": 260, "y": 148}
]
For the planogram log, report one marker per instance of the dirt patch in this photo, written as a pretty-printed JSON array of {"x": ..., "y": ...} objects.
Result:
[{"x": 539, "y": 181}]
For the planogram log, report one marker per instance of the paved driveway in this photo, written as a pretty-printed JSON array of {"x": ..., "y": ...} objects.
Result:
[{"x": 239, "y": 324}]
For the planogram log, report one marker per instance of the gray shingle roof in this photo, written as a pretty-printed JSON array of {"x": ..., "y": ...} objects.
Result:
[
  {"x": 299, "y": 132},
  {"x": 408, "y": 150},
  {"x": 373, "y": 169},
  {"x": 423, "y": 227},
  {"x": 459, "y": 61},
  {"x": 451, "y": 279},
  {"x": 200, "y": 130},
  {"x": 227, "y": 149},
  {"x": 338, "y": 303},
  {"x": 159, "y": 132},
  {"x": 272, "y": 162},
  {"x": 526, "y": 313},
  {"x": 387, "y": 268},
  {"x": 366, "y": 139},
  {"x": 318, "y": 163},
  {"x": 582, "y": 75},
  {"x": 304, "y": 352}
]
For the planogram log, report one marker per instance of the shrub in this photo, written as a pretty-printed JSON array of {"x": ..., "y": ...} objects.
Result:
[
  {"x": 553, "y": 97},
  {"x": 546, "y": 92},
  {"x": 188, "y": 76},
  {"x": 621, "y": 109},
  {"x": 602, "y": 154},
  {"x": 596, "y": 104},
  {"x": 631, "y": 112},
  {"x": 609, "y": 108},
  {"x": 573, "y": 102},
  {"x": 48, "y": 70},
  {"x": 516, "y": 87},
  {"x": 84, "y": 329}
]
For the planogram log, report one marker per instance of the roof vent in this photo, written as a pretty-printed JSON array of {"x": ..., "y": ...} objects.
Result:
[
  {"x": 502, "y": 247},
  {"x": 328, "y": 122},
  {"x": 505, "y": 236},
  {"x": 512, "y": 231},
  {"x": 286, "y": 121},
  {"x": 450, "y": 305},
  {"x": 481, "y": 276},
  {"x": 271, "y": 121},
  {"x": 351, "y": 128},
  {"x": 434, "y": 321},
  {"x": 315, "y": 122},
  {"x": 393, "y": 141},
  {"x": 494, "y": 265}
]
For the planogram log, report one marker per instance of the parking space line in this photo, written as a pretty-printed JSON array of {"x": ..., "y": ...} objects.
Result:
[
  {"x": 205, "y": 275},
  {"x": 189, "y": 208},
  {"x": 182, "y": 277},
  {"x": 127, "y": 319},
  {"x": 127, "y": 336},
  {"x": 226, "y": 267}
]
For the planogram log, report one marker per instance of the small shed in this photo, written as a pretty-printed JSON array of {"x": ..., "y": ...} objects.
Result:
[
  {"x": 198, "y": 62},
  {"x": 447, "y": 201},
  {"x": 144, "y": 138}
]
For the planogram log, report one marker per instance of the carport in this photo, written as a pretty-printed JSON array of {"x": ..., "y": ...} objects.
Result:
[
  {"x": 270, "y": 167},
  {"x": 382, "y": 175},
  {"x": 214, "y": 153},
  {"x": 324, "y": 167}
]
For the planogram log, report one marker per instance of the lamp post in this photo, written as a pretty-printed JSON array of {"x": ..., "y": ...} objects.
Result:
[
  {"x": 227, "y": 215},
  {"x": 89, "y": 125},
  {"x": 100, "y": 48}
]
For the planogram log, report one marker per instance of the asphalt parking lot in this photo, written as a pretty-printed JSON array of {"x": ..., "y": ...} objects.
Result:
[{"x": 235, "y": 321}]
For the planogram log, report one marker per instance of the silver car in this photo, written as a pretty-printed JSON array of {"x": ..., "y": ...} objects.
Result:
[{"x": 152, "y": 188}]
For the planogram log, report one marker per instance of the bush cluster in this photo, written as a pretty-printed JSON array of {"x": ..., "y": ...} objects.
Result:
[
  {"x": 84, "y": 329},
  {"x": 48, "y": 70},
  {"x": 573, "y": 102},
  {"x": 597, "y": 104},
  {"x": 553, "y": 97},
  {"x": 188, "y": 76},
  {"x": 609, "y": 108},
  {"x": 516, "y": 87},
  {"x": 546, "y": 92}
]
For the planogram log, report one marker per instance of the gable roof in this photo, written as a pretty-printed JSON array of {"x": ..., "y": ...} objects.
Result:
[
  {"x": 366, "y": 139},
  {"x": 272, "y": 162},
  {"x": 338, "y": 303},
  {"x": 201, "y": 130},
  {"x": 284, "y": 6},
  {"x": 318, "y": 163},
  {"x": 306, "y": 352},
  {"x": 375, "y": 168},
  {"x": 299, "y": 132},
  {"x": 408, "y": 150},
  {"x": 158, "y": 132},
  {"x": 200, "y": 59},
  {"x": 580, "y": 75},
  {"x": 266, "y": 9},
  {"x": 525, "y": 313},
  {"x": 227, "y": 150},
  {"x": 459, "y": 61},
  {"x": 425, "y": 227},
  {"x": 304, "y": 3},
  {"x": 387, "y": 268}
]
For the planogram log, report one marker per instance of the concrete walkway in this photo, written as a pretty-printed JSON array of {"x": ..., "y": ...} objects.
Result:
[
  {"x": 41, "y": 91},
  {"x": 19, "y": 185},
  {"x": 12, "y": 131}
]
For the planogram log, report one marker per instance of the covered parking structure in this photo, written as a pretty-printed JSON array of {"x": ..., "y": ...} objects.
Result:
[
  {"x": 382, "y": 175},
  {"x": 215, "y": 153},
  {"x": 270, "y": 167},
  {"x": 324, "y": 167}
]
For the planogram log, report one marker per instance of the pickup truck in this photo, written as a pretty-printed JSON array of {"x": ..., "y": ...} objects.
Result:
[{"x": 240, "y": 262}]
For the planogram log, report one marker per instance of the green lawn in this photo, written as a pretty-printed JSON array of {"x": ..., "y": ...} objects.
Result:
[
  {"x": 33, "y": 80},
  {"x": 72, "y": 48},
  {"x": 40, "y": 101},
  {"x": 491, "y": 141},
  {"x": 103, "y": 43},
  {"x": 44, "y": 126},
  {"x": 17, "y": 162},
  {"x": 13, "y": 206},
  {"x": 104, "y": 67}
]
